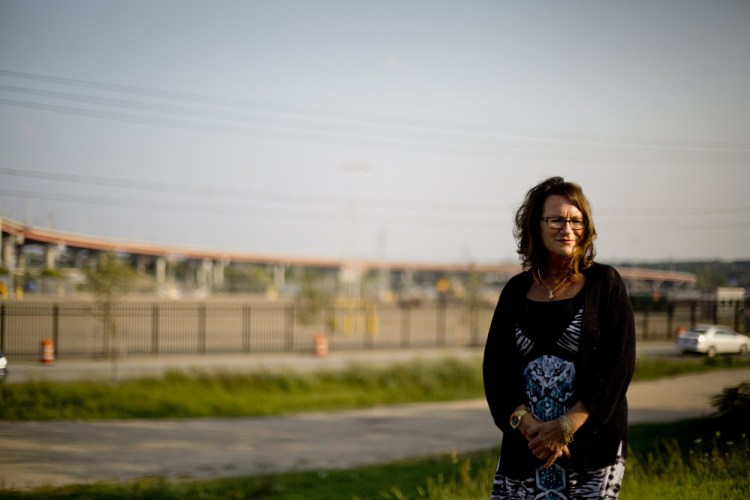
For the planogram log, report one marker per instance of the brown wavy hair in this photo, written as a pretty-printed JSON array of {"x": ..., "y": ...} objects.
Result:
[{"x": 527, "y": 230}]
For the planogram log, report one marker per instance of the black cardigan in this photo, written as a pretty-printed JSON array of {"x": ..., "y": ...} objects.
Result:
[{"x": 603, "y": 372}]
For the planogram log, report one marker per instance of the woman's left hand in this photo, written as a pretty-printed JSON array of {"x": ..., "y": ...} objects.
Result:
[{"x": 546, "y": 442}]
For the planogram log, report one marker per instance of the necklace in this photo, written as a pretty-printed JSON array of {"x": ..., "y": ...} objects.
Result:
[{"x": 549, "y": 289}]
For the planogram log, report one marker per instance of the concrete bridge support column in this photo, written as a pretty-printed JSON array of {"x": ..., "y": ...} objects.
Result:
[
  {"x": 51, "y": 255},
  {"x": 203, "y": 274},
  {"x": 17, "y": 256},
  {"x": 218, "y": 272},
  {"x": 279, "y": 277},
  {"x": 161, "y": 270},
  {"x": 384, "y": 283},
  {"x": 9, "y": 253},
  {"x": 141, "y": 263}
]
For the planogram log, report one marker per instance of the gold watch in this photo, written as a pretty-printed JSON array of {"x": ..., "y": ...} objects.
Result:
[{"x": 516, "y": 416}]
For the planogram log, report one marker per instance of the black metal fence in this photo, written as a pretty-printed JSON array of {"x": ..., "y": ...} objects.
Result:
[
  {"x": 213, "y": 327},
  {"x": 660, "y": 320},
  {"x": 153, "y": 327}
]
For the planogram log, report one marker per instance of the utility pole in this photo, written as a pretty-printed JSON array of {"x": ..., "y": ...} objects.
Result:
[{"x": 353, "y": 270}]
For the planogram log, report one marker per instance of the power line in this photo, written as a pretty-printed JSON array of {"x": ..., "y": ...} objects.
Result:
[
  {"x": 430, "y": 145},
  {"x": 650, "y": 211},
  {"x": 318, "y": 216},
  {"x": 685, "y": 226},
  {"x": 337, "y": 216},
  {"x": 228, "y": 116},
  {"x": 371, "y": 117},
  {"x": 470, "y": 139},
  {"x": 342, "y": 202},
  {"x": 267, "y": 196}
]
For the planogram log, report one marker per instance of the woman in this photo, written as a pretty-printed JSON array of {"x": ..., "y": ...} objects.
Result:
[{"x": 559, "y": 357}]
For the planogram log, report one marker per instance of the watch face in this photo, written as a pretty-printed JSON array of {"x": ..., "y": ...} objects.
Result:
[{"x": 514, "y": 421}]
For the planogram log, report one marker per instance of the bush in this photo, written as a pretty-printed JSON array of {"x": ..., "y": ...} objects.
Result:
[{"x": 733, "y": 405}]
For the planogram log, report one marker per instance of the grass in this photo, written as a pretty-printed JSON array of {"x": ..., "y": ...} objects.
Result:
[
  {"x": 178, "y": 395},
  {"x": 655, "y": 368},
  {"x": 688, "y": 460},
  {"x": 699, "y": 459}
]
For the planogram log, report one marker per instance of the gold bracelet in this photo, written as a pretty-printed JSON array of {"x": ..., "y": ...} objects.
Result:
[{"x": 567, "y": 429}]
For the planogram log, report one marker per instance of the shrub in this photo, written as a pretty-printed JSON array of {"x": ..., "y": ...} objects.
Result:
[{"x": 734, "y": 406}]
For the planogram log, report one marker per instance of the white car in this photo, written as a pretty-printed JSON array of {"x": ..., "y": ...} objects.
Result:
[
  {"x": 712, "y": 340},
  {"x": 3, "y": 367}
]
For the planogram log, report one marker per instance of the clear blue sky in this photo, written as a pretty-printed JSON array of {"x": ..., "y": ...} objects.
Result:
[{"x": 394, "y": 129}]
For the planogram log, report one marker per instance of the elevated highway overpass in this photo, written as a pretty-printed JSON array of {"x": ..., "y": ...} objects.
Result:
[{"x": 16, "y": 236}]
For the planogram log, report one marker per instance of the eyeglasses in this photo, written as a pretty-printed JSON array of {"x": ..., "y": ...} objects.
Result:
[{"x": 559, "y": 223}]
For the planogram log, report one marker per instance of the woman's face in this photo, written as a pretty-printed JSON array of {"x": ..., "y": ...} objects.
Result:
[{"x": 560, "y": 242}]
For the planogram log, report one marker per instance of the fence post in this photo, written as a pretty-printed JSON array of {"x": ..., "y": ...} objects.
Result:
[
  {"x": 246, "y": 318},
  {"x": 405, "y": 324},
  {"x": 290, "y": 329},
  {"x": 55, "y": 329},
  {"x": 202, "y": 329},
  {"x": 370, "y": 326},
  {"x": 738, "y": 313},
  {"x": 693, "y": 306},
  {"x": 155, "y": 330},
  {"x": 715, "y": 311},
  {"x": 2, "y": 327},
  {"x": 441, "y": 322},
  {"x": 670, "y": 320},
  {"x": 474, "y": 326}
]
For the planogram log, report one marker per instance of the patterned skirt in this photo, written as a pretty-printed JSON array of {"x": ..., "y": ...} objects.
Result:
[{"x": 559, "y": 483}]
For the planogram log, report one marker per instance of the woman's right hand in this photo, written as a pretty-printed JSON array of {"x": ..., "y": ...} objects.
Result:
[{"x": 545, "y": 439}]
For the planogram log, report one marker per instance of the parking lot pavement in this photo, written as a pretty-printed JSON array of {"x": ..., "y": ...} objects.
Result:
[
  {"x": 59, "y": 453},
  {"x": 71, "y": 368}
]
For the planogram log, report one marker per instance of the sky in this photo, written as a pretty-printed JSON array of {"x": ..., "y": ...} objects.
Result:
[{"x": 395, "y": 130}]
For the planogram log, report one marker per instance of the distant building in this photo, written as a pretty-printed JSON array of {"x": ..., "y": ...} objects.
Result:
[{"x": 730, "y": 297}]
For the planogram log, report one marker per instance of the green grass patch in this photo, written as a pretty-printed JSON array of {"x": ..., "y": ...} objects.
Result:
[
  {"x": 697, "y": 459},
  {"x": 655, "y": 368},
  {"x": 688, "y": 460},
  {"x": 179, "y": 395}
]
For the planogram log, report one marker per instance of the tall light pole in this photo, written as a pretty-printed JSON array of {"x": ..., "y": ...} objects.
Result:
[{"x": 353, "y": 271}]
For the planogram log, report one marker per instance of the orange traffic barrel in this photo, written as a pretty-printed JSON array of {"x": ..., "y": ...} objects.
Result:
[
  {"x": 321, "y": 345},
  {"x": 48, "y": 352}
]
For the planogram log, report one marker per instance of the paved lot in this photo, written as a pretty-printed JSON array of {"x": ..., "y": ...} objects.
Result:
[
  {"x": 58, "y": 453},
  {"x": 87, "y": 369},
  {"x": 69, "y": 369}
]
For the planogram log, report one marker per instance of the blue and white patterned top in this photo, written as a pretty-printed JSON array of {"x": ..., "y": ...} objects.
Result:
[
  {"x": 550, "y": 349},
  {"x": 550, "y": 372}
]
